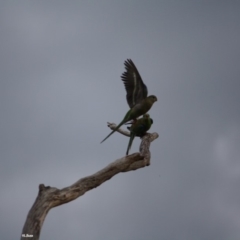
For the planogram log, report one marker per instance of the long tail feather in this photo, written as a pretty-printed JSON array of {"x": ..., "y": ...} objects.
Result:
[
  {"x": 132, "y": 136},
  {"x": 118, "y": 126}
]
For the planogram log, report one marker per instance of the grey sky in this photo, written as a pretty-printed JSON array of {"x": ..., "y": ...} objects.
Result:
[{"x": 60, "y": 66}]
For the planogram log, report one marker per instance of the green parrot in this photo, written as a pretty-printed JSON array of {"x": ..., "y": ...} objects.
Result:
[
  {"x": 138, "y": 110},
  {"x": 137, "y": 92},
  {"x": 139, "y": 129}
]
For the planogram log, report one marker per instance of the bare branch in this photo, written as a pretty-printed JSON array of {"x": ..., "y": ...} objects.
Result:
[
  {"x": 49, "y": 197},
  {"x": 112, "y": 126}
]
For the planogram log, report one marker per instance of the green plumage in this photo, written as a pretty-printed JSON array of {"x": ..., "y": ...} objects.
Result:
[
  {"x": 138, "y": 110},
  {"x": 136, "y": 95},
  {"x": 139, "y": 129}
]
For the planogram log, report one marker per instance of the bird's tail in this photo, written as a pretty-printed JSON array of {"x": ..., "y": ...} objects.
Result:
[
  {"x": 132, "y": 136},
  {"x": 118, "y": 126}
]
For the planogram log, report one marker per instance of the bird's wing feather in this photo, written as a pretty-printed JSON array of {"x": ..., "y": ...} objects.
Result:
[
  {"x": 134, "y": 85},
  {"x": 141, "y": 126}
]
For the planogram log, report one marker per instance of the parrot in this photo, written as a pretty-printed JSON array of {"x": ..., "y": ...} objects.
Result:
[
  {"x": 135, "y": 112},
  {"x": 139, "y": 129},
  {"x": 137, "y": 98}
]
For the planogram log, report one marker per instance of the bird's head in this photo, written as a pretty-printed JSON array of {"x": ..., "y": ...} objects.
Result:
[{"x": 152, "y": 98}]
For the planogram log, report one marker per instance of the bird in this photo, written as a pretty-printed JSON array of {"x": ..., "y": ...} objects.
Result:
[
  {"x": 139, "y": 129},
  {"x": 137, "y": 98}
]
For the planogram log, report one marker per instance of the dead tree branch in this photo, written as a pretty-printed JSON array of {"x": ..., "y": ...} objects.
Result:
[{"x": 50, "y": 197}]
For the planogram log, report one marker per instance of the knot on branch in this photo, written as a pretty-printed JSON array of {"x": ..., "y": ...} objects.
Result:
[{"x": 41, "y": 187}]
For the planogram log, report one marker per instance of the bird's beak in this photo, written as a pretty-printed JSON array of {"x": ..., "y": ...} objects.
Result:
[{"x": 156, "y": 99}]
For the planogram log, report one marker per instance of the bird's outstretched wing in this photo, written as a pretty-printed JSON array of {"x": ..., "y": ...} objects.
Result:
[{"x": 134, "y": 85}]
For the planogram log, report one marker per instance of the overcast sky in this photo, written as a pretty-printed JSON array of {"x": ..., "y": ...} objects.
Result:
[{"x": 60, "y": 68}]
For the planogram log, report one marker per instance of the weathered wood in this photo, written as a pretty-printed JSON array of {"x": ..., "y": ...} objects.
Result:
[{"x": 49, "y": 197}]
